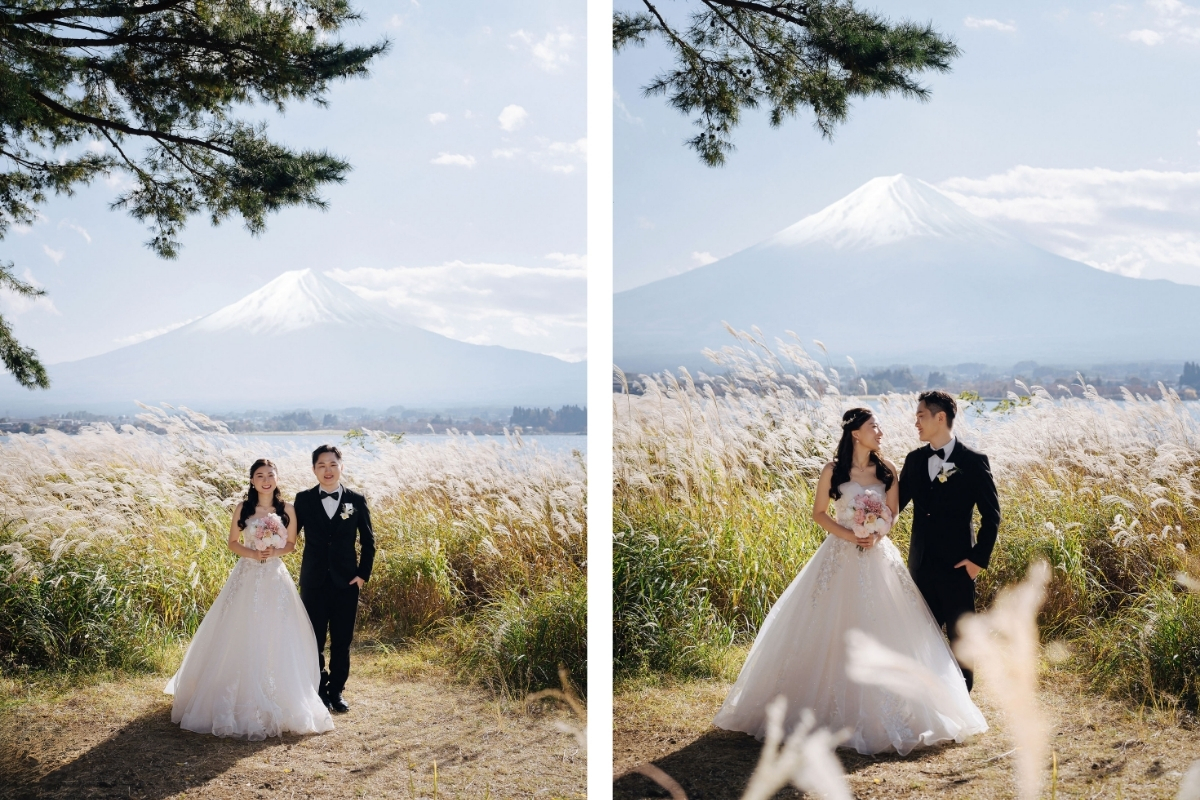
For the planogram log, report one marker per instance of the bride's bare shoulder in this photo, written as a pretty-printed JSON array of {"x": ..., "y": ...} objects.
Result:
[{"x": 889, "y": 465}]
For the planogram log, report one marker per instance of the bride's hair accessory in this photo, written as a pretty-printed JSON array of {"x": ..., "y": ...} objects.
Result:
[{"x": 852, "y": 420}]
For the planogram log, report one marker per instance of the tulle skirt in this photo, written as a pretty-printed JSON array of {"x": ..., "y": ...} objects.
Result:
[
  {"x": 251, "y": 670},
  {"x": 800, "y": 653}
]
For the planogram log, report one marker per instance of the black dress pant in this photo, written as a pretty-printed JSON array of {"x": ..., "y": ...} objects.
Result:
[
  {"x": 950, "y": 593},
  {"x": 332, "y": 609}
]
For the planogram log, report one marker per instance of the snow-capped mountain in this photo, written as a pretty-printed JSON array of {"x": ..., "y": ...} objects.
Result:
[
  {"x": 294, "y": 301},
  {"x": 897, "y": 273},
  {"x": 302, "y": 341},
  {"x": 883, "y": 211}
]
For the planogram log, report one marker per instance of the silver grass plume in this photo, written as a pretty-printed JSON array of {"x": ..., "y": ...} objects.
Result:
[
  {"x": 874, "y": 664},
  {"x": 1001, "y": 645},
  {"x": 806, "y": 759}
]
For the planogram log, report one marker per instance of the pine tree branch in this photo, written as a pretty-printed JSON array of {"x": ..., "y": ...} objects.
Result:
[
  {"x": 114, "y": 10},
  {"x": 100, "y": 122},
  {"x": 773, "y": 11}
]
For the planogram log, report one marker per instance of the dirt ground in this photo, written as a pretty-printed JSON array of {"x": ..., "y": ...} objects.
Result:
[
  {"x": 412, "y": 732},
  {"x": 1104, "y": 749}
]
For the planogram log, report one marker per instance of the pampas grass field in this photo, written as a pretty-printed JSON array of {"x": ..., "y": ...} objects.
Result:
[
  {"x": 713, "y": 493},
  {"x": 713, "y": 482},
  {"x": 112, "y": 547}
]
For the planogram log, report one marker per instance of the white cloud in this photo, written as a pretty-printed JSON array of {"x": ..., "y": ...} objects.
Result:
[
  {"x": 577, "y": 147},
  {"x": 77, "y": 228},
  {"x": 55, "y": 255},
  {"x": 99, "y": 148},
  {"x": 437, "y": 117},
  {"x": 396, "y": 21},
  {"x": 538, "y": 308},
  {"x": 1147, "y": 36},
  {"x": 125, "y": 341},
  {"x": 993, "y": 24},
  {"x": 704, "y": 258},
  {"x": 624, "y": 111},
  {"x": 1141, "y": 223},
  {"x": 560, "y": 157},
  {"x": 13, "y": 304},
  {"x": 1159, "y": 21},
  {"x": 512, "y": 118},
  {"x": 568, "y": 260},
  {"x": 549, "y": 52},
  {"x": 453, "y": 160}
]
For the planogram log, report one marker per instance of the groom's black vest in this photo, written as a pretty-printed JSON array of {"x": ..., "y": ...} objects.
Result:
[
  {"x": 329, "y": 553},
  {"x": 941, "y": 527}
]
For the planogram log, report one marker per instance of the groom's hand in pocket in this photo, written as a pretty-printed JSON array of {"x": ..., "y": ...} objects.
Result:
[
  {"x": 356, "y": 581},
  {"x": 972, "y": 570}
]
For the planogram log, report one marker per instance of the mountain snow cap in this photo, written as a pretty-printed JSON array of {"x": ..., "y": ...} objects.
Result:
[{"x": 883, "y": 211}]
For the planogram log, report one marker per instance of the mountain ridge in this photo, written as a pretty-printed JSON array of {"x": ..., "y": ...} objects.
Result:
[
  {"x": 333, "y": 350},
  {"x": 923, "y": 281}
]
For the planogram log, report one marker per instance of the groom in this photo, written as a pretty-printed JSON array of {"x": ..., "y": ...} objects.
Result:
[
  {"x": 946, "y": 480},
  {"x": 331, "y": 573}
]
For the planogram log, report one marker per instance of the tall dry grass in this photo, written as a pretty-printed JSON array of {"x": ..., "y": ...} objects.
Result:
[
  {"x": 112, "y": 545},
  {"x": 713, "y": 481}
]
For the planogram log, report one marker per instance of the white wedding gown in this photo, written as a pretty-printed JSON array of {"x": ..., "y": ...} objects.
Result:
[
  {"x": 800, "y": 652},
  {"x": 251, "y": 670}
]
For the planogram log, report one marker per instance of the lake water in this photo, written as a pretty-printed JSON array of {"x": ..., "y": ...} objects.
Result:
[{"x": 308, "y": 440}]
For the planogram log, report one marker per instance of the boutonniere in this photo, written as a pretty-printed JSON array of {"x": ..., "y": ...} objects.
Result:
[
  {"x": 347, "y": 510},
  {"x": 947, "y": 471}
]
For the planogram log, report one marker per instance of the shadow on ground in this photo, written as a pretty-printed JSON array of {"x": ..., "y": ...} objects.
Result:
[
  {"x": 148, "y": 758},
  {"x": 718, "y": 765}
]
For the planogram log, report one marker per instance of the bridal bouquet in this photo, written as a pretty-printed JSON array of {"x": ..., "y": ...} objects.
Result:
[
  {"x": 871, "y": 515},
  {"x": 269, "y": 532}
]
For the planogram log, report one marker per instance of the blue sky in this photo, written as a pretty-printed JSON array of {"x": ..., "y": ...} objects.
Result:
[
  {"x": 465, "y": 211},
  {"x": 1075, "y": 125}
]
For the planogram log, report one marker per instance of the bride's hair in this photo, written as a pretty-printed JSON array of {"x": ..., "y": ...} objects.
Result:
[
  {"x": 852, "y": 420},
  {"x": 251, "y": 501}
]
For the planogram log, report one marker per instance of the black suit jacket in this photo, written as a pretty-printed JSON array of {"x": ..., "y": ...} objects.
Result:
[
  {"x": 329, "y": 553},
  {"x": 941, "y": 527}
]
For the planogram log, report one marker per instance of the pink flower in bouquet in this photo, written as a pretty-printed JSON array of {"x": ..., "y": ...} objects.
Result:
[
  {"x": 269, "y": 532},
  {"x": 871, "y": 515}
]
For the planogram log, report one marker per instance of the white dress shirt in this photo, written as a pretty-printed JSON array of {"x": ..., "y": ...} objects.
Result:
[
  {"x": 936, "y": 462},
  {"x": 331, "y": 503}
]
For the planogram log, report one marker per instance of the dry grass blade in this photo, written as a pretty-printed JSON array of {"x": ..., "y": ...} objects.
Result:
[
  {"x": 872, "y": 663},
  {"x": 1002, "y": 646},
  {"x": 806, "y": 759},
  {"x": 571, "y": 698},
  {"x": 1188, "y": 582},
  {"x": 662, "y": 779}
]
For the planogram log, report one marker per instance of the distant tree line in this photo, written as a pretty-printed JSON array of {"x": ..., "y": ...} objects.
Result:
[
  {"x": 568, "y": 419},
  {"x": 1190, "y": 376}
]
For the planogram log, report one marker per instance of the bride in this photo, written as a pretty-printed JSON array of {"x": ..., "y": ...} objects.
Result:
[
  {"x": 849, "y": 583},
  {"x": 251, "y": 670}
]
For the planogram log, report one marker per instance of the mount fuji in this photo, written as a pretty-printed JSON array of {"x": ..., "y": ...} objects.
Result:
[
  {"x": 897, "y": 272},
  {"x": 302, "y": 341}
]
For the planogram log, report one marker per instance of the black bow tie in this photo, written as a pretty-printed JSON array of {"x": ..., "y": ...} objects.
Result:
[
  {"x": 334, "y": 495},
  {"x": 939, "y": 453}
]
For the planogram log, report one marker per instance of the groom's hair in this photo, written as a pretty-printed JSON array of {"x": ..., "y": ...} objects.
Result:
[
  {"x": 936, "y": 401},
  {"x": 326, "y": 448}
]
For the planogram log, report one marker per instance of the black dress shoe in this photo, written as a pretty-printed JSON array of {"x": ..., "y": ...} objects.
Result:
[{"x": 336, "y": 703}]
